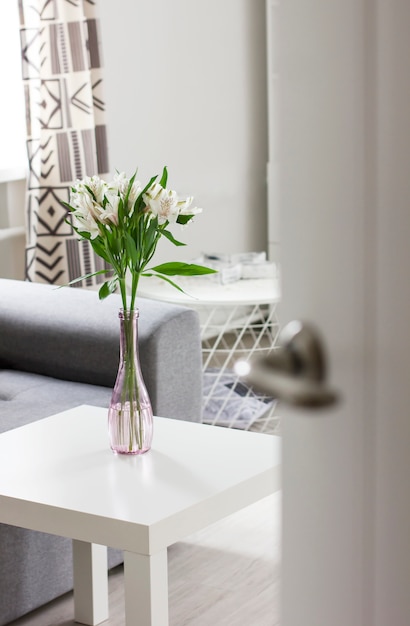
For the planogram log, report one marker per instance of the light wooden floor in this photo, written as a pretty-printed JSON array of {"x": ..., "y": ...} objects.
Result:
[{"x": 225, "y": 575}]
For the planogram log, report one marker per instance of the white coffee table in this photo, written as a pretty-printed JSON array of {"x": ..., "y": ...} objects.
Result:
[{"x": 58, "y": 475}]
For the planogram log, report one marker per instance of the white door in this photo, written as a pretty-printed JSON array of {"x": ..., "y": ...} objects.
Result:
[{"x": 344, "y": 79}]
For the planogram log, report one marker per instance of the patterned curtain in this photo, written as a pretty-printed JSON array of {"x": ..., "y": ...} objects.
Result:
[{"x": 66, "y": 132}]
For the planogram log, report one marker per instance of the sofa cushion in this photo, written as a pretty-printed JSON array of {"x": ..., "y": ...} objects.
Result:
[{"x": 26, "y": 397}]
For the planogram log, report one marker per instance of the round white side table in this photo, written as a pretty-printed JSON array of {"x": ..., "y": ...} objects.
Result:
[{"x": 238, "y": 322}]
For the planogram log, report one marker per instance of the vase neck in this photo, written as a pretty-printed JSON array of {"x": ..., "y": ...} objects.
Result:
[{"x": 128, "y": 334}]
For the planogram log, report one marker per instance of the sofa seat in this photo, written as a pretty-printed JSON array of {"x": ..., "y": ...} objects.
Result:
[{"x": 31, "y": 397}]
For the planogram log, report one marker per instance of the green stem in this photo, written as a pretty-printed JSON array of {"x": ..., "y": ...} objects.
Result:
[
  {"x": 131, "y": 389},
  {"x": 123, "y": 290},
  {"x": 134, "y": 286}
]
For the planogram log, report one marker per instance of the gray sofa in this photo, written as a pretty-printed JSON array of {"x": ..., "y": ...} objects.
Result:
[{"x": 59, "y": 349}]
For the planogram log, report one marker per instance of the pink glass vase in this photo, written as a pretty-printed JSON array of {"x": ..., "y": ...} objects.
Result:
[{"x": 130, "y": 412}]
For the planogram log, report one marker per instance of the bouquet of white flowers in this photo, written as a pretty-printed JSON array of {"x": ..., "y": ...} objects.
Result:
[{"x": 123, "y": 222}]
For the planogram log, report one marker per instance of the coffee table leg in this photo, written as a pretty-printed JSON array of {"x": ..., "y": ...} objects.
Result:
[
  {"x": 90, "y": 583},
  {"x": 146, "y": 589}
]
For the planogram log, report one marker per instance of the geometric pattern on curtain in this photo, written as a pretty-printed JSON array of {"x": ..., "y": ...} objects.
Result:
[{"x": 66, "y": 131}]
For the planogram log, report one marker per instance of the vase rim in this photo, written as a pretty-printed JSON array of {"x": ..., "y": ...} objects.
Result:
[{"x": 122, "y": 314}]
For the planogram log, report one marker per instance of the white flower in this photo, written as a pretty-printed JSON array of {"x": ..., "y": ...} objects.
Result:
[
  {"x": 82, "y": 201},
  {"x": 86, "y": 210},
  {"x": 109, "y": 214},
  {"x": 97, "y": 186},
  {"x": 85, "y": 222},
  {"x": 134, "y": 193},
  {"x": 120, "y": 183},
  {"x": 184, "y": 207},
  {"x": 87, "y": 200},
  {"x": 162, "y": 202}
]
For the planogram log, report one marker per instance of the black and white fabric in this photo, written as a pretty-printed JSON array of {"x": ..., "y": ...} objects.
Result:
[{"x": 66, "y": 131}]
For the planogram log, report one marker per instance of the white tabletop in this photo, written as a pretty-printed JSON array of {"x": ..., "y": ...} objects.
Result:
[
  {"x": 58, "y": 475},
  {"x": 204, "y": 290}
]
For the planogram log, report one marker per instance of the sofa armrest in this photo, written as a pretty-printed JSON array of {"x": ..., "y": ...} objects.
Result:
[{"x": 68, "y": 333}]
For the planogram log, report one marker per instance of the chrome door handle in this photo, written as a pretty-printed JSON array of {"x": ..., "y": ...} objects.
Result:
[{"x": 296, "y": 371}]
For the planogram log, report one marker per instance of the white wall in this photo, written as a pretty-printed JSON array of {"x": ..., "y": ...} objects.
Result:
[
  {"x": 12, "y": 238},
  {"x": 185, "y": 85}
]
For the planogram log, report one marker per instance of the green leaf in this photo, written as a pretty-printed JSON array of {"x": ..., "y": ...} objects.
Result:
[
  {"x": 130, "y": 184},
  {"x": 90, "y": 191},
  {"x": 68, "y": 206},
  {"x": 83, "y": 233},
  {"x": 99, "y": 248},
  {"x": 168, "y": 280},
  {"x": 131, "y": 248},
  {"x": 171, "y": 237},
  {"x": 164, "y": 178},
  {"x": 114, "y": 244},
  {"x": 177, "y": 268},
  {"x": 148, "y": 185},
  {"x": 139, "y": 202},
  {"x": 127, "y": 195},
  {"x": 107, "y": 289},
  {"x": 184, "y": 219},
  {"x": 149, "y": 235},
  {"x": 121, "y": 210},
  {"x": 84, "y": 277}
]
